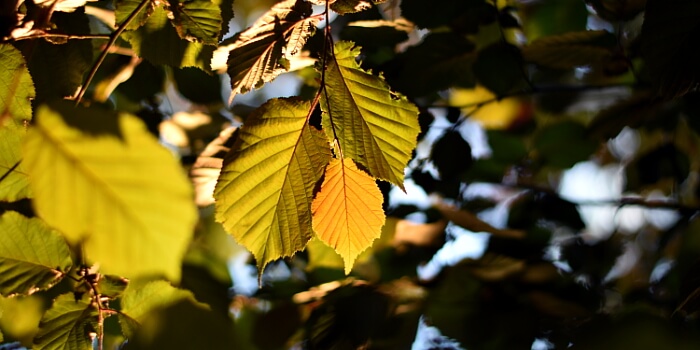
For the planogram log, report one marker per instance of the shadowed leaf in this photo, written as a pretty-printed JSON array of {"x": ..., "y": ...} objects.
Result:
[
  {"x": 570, "y": 50},
  {"x": 197, "y": 20},
  {"x": 264, "y": 192},
  {"x": 348, "y": 214},
  {"x": 33, "y": 257}
]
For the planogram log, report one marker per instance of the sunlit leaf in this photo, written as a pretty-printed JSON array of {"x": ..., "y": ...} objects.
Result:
[
  {"x": 68, "y": 324},
  {"x": 121, "y": 194},
  {"x": 351, "y": 6},
  {"x": 197, "y": 20},
  {"x": 375, "y": 127},
  {"x": 158, "y": 41},
  {"x": 124, "y": 9},
  {"x": 33, "y": 257},
  {"x": 18, "y": 89},
  {"x": 258, "y": 53},
  {"x": 207, "y": 167},
  {"x": 348, "y": 214},
  {"x": 263, "y": 197},
  {"x": 570, "y": 50},
  {"x": 62, "y": 5}
]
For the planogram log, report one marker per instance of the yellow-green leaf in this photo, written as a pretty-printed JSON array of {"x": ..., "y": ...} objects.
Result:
[
  {"x": 67, "y": 324},
  {"x": 33, "y": 257},
  {"x": 347, "y": 212},
  {"x": 14, "y": 184},
  {"x": 375, "y": 127},
  {"x": 257, "y": 54},
  {"x": 263, "y": 196},
  {"x": 197, "y": 20},
  {"x": 124, "y": 9},
  {"x": 102, "y": 180},
  {"x": 17, "y": 90}
]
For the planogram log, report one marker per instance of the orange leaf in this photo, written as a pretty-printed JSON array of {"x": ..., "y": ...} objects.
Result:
[{"x": 347, "y": 212}]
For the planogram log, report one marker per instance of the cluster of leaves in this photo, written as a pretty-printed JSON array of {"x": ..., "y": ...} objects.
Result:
[{"x": 101, "y": 239}]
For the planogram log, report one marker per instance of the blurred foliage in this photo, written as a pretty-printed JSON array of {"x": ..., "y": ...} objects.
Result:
[{"x": 513, "y": 99}]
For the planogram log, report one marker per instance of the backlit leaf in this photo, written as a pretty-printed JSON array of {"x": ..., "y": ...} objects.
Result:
[
  {"x": 348, "y": 214},
  {"x": 375, "y": 127},
  {"x": 158, "y": 41},
  {"x": 33, "y": 257},
  {"x": 124, "y": 8},
  {"x": 263, "y": 197},
  {"x": 121, "y": 193},
  {"x": 18, "y": 89},
  {"x": 257, "y": 54},
  {"x": 197, "y": 20},
  {"x": 68, "y": 324},
  {"x": 570, "y": 50}
]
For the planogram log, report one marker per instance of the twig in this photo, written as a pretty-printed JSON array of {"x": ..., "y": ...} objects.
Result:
[
  {"x": 113, "y": 39},
  {"x": 62, "y": 36}
]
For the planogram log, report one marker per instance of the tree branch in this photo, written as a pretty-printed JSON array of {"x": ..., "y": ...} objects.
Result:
[
  {"x": 62, "y": 36},
  {"x": 113, "y": 39}
]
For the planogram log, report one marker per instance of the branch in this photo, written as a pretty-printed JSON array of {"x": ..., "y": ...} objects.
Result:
[
  {"x": 113, "y": 39},
  {"x": 61, "y": 36}
]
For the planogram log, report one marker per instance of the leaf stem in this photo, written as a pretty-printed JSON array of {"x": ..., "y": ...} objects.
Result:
[{"x": 113, "y": 39}]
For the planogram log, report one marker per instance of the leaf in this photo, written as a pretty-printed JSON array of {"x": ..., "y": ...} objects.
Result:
[
  {"x": 569, "y": 50},
  {"x": 207, "y": 167},
  {"x": 375, "y": 127},
  {"x": 158, "y": 41},
  {"x": 343, "y": 7},
  {"x": 256, "y": 56},
  {"x": 377, "y": 33},
  {"x": 197, "y": 20},
  {"x": 124, "y": 9},
  {"x": 14, "y": 183},
  {"x": 263, "y": 196},
  {"x": 429, "y": 15},
  {"x": 669, "y": 46},
  {"x": 347, "y": 212},
  {"x": 62, "y": 5},
  {"x": 33, "y": 257},
  {"x": 18, "y": 89},
  {"x": 121, "y": 193},
  {"x": 498, "y": 67},
  {"x": 564, "y": 144},
  {"x": 141, "y": 298},
  {"x": 68, "y": 324}
]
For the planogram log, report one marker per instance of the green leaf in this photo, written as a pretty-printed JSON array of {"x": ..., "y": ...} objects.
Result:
[
  {"x": 669, "y": 45},
  {"x": 121, "y": 193},
  {"x": 551, "y": 17},
  {"x": 14, "y": 183},
  {"x": 564, "y": 144},
  {"x": 498, "y": 67},
  {"x": 18, "y": 89},
  {"x": 142, "y": 298},
  {"x": 68, "y": 324},
  {"x": 375, "y": 127},
  {"x": 264, "y": 192},
  {"x": 33, "y": 257},
  {"x": 352, "y": 6},
  {"x": 197, "y": 20},
  {"x": 569, "y": 50},
  {"x": 124, "y": 8},
  {"x": 158, "y": 41},
  {"x": 257, "y": 54},
  {"x": 111, "y": 286}
]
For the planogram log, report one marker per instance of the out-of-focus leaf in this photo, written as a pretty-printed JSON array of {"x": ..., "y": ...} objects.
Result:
[
  {"x": 425, "y": 235},
  {"x": 68, "y": 324},
  {"x": 124, "y": 9},
  {"x": 377, "y": 33},
  {"x": 634, "y": 111},
  {"x": 18, "y": 89},
  {"x": 62, "y": 5},
  {"x": 482, "y": 106},
  {"x": 33, "y": 257},
  {"x": 498, "y": 67},
  {"x": 111, "y": 286},
  {"x": 351, "y": 6},
  {"x": 347, "y": 212},
  {"x": 196, "y": 20},
  {"x": 427, "y": 15},
  {"x": 264, "y": 192},
  {"x": 158, "y": 42},
  {"x": 569, "y": 50},
  {"x": 145, "y": 82},
  {"x": 21, "y": 316},
  {"x": 198, "y": 86},
  {"x": 258, "y": 54},
  {"x": 375, "y": 127},
  {"x": 123, "y": 196},
  {"x": 451, "y": 154},
  {"x": 666, "y": 161},
  {"x": 669, "y": 46},
  {"x": 141, "y": 298},
  {"x": 440, "y": 61},
  {"x": 564, "y": 144},
  {"x": 472, "y": 223},
  {"x": 552, "y": 17},
  {"x": 285, "y": 319},
  {"x": 207, "y": 167},
  {"x": 617, "y": 10}
]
